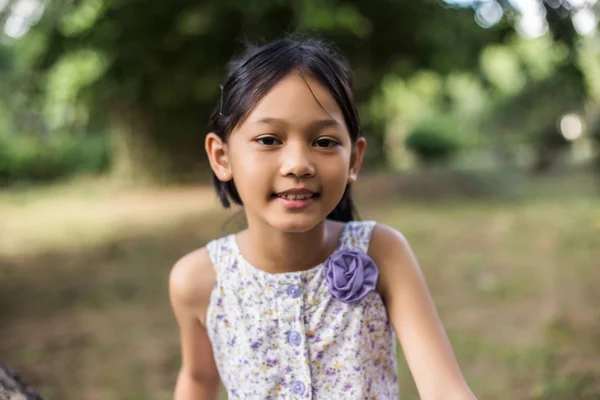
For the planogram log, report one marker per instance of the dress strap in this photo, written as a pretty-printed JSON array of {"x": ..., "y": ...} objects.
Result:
[
  {"x": 357, "y": 235},
  {"x": 220, "y": 252}
]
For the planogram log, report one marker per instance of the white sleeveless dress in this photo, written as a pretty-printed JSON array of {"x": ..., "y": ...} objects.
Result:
[{"x": 283, "y": 336}]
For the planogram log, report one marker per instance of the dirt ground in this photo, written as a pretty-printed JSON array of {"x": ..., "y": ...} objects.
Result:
[{"x": 84, "y": 311}]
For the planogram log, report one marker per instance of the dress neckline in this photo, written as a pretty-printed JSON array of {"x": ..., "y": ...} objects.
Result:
[{"x": 238, "y": 254}]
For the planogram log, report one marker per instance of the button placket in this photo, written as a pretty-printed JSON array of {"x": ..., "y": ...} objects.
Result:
[
  {"x": 295, "y": 338},
  {"x": 298, "y": 388},
  {"x": 294, "y": 291}
]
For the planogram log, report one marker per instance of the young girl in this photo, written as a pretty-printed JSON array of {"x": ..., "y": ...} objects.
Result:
[{"x": 306, "y": 303}]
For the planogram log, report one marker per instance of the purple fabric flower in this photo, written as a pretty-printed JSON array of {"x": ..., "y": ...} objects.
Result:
[{"x": 350, "y": 275}]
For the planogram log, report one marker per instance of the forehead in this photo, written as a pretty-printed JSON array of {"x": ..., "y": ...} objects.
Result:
[{"x": 297, "y": 100}]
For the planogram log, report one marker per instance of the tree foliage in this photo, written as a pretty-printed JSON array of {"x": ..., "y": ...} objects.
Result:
[
  {"x": 152, "y": 69},
  {"x": 431, "y": 145},
  {"x": 149, "y": 71}
]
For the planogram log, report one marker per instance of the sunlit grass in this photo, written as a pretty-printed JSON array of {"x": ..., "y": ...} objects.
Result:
[{"x": 81, "y": 215}]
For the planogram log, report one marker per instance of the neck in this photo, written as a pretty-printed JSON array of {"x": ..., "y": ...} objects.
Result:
[{"x": 275, "y": 251}]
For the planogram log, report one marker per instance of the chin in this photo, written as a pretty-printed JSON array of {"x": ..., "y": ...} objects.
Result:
[{"x": 295, "y": 223}]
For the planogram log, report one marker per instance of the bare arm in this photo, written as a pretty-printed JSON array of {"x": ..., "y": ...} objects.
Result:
[
  {"x": 190, "y": 284},
  {"x": 423, "y": 339}
]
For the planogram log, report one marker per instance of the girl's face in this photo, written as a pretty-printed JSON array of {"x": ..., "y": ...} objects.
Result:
[{"x": 292, "y": 156}]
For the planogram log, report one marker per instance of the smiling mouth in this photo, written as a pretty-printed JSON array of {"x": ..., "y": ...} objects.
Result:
[{"x": 296, "y": 196}]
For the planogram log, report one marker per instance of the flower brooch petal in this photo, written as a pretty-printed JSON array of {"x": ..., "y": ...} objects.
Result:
[{"x": 350, "y": 275}]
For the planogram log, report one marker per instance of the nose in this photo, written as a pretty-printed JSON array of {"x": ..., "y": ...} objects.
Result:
[{"x": 297, "y": 161}]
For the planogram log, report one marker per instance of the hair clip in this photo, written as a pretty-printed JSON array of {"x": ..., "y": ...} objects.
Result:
[{"x": 221, "y": 106}]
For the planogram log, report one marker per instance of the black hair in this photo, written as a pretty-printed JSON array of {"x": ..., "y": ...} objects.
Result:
[{"x": 257, "y": 70}]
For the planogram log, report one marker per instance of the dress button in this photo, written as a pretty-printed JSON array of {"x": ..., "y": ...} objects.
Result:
[
  {"x": 298, "y": 387},
  {"x": 294, "y": 291},
  {"x": 294, "y": 338}
]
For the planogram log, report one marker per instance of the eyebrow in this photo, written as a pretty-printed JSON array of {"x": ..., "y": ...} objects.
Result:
[{"x": 321, "y": 123}]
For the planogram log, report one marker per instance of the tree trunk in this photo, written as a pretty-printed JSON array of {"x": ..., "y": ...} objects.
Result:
[
  {"x": 549, "y": 146},
  {"x": 544, "y": 160},
  {"x": 150, "y": 148},
  {"x": 135, "y": 158}
]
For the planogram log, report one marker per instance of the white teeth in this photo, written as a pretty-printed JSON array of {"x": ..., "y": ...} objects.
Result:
[{"x": 296, "y": 196}]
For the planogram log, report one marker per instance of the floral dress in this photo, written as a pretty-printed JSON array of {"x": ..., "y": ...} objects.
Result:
[{"x": 322, "y": 333}]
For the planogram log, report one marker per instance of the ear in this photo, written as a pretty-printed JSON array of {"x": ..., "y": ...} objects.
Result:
[
  {"x": 356, "y": 159},
  {"x": 218, "y": 156}
]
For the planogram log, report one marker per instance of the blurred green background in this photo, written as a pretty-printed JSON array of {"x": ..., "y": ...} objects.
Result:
[{"x": 483, "y": 122}]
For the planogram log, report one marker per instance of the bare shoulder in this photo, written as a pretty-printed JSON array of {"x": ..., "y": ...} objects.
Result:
[
  {"x": 392, "y": 254},
  {"x": 388, "y": 243},
  {"x": 191, "y": 281}
]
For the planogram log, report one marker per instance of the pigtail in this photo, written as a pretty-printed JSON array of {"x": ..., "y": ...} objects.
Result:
[{"x": 345, "y": 210}]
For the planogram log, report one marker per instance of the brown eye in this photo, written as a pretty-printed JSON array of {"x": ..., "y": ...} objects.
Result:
[
  {"x": 326, "y": 143},
  {"x": 268, "y": 141}
]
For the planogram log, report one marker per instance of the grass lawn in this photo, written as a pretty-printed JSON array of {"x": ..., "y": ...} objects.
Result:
[{"x": 84, "y": 310}]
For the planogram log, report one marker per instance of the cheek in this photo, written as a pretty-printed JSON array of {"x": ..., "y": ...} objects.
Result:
[
  {"x": 335, "y": 171},
  {"x": 249, "y": 167},
  {"x": 337, "y": 164}
]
